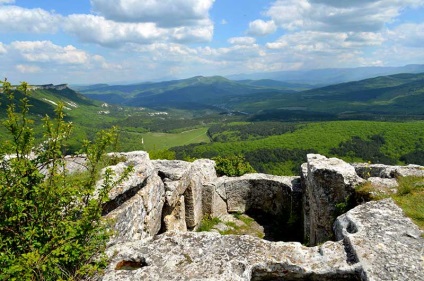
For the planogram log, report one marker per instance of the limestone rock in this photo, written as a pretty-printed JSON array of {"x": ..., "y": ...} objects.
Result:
[
  {"x": 174, "y": 218},
  {"x": 210, "y": 256},
  {"x": 142, "y": 169},
  {"x": 365, "y": 170},
  {"x": 139, "y": 216},
  {"x": 327, "y": 182},
  {"x": 385, "y": 242},
  {"x": 272, "y": 194},
  {"x": 171, "y": 169},
  {"x": 200, "y": 173},
  {"x": 212, "y": 203}
]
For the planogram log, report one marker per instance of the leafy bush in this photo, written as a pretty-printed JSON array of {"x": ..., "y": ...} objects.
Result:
[
  {"x": 233, "y": 166},
  {"x": 50, "y": 220}
]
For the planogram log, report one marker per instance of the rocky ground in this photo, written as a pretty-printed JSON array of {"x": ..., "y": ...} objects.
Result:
[{"x": 159, "y": 207}]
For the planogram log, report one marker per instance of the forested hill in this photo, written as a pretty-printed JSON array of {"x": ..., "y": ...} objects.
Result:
[
  {"x": 189, "y": 93},
  {"x": 400, "y": 95},
  {"x": 397, "y": 96}
]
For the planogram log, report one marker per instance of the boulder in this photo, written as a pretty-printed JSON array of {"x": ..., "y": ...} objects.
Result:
[
  {"x": 142, "y": 169},
  {"x": 140, "y": 215},
  {"x": 328, "y": 184},
  {"x": 388, "y": 245}
]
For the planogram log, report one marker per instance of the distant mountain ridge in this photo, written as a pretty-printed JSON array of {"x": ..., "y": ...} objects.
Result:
[
  {"x": 330, "y": 75},
  {"x": 195, "y": 91}
]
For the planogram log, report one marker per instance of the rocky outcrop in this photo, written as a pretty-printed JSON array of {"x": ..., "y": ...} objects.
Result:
[
  {"x": 383, "y": 241},
  {"x": 210, "y": 256},
  {"x": 184, "y": 183},
  {"x": 160, "y": 200},
  {"x": 366, "y": 170},
  {"x": 271, "y": 194},
  {"x": 327, "y": 183},
  {"x": 377, "y": 242},
  {"x": 135, "y": 205}
]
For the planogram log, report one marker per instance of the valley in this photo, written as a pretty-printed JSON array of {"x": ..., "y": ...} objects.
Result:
[{"x": 271, "y": 124}]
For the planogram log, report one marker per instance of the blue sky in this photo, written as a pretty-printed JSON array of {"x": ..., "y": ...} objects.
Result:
[{"x": 104, "y": 41}]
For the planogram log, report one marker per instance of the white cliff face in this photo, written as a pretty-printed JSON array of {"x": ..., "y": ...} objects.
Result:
[{"x": 376, "y": 241}]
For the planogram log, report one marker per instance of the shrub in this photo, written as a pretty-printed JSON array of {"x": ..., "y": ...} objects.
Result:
[
  {"x": 50, "y": 221},
  {"x": 233, "y": 166}
]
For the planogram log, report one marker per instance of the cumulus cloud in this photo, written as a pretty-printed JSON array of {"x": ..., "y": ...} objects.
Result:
[
  {"x": 261, "y": 28},
  {"x": 337, "y": 16},
  {"x": 165, "y": 13},
  {"x": 46, "y": 51},
  {"x": 241, "y": 40},
  {"x": 24, "y": 68},
  {"x": 97, "y": 29},
  {"x": 189, "y": 34},
  {"x": 17, "y": 19}
]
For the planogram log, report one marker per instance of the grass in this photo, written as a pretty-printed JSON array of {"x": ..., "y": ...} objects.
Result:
[
  {"x": 157, "y": 141},
  {"x": 409, "y": 197},
  {"x": 208, "y": 223}
]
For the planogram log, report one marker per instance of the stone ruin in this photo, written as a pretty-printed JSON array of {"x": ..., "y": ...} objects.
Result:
[{"x": 157, "y": 209}]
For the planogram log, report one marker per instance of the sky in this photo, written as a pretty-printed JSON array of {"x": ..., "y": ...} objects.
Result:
[{"x": 127, "y": 41}]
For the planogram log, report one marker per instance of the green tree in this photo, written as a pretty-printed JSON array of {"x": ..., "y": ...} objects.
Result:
[
  {"x": 51, "y": 227},
  {"x": 233, "y": 166}
]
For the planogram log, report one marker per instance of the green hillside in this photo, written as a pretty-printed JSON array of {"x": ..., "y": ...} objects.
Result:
[
  {"x": 379, "y": 142},
  {"x": 192, "y": 93},
  {"x": 161, "y": 129},
  {"x": 393, "y": 97}
]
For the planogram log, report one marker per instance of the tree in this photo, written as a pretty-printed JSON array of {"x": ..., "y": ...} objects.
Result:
[
  {"x": 233, "y": 166},
  {"x": 51, "y": 226}
]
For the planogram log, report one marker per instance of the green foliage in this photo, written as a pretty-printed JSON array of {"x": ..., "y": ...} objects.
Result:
[
  {"x": 163, "y": 154},
  {"x": 248, "y": 131},
  {"x": 280, "y": 154},
  {"x": 50, "y": 221},
  {"x": 368, "y": 150},
  {"x": 233, "y": 166},
  {"x": 208, "y": 223}
]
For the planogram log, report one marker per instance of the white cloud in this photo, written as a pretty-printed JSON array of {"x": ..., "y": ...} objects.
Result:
[
  {"x": 17, "y": 19},
  {"x": 261, "y": 28},
  {"x": 46, "y": 51},
  {"x": 24, "y": 68},
  {"x": 337, "y": 16},
  {"x": 2, "y": 49},
  {"x": 189, "y": 34},
  {"x": 165, "y": 13},
  {"x": 408, "y": 35},
  {"x": 7, "y": 1},
  {"x": 90, "y": 28},
  {"x": 97, "y": 29},
  {"x": 241, "y": 40},
  {"x": 224, "y": 22}
]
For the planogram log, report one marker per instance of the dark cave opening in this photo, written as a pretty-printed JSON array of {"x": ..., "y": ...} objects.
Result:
[{"x": 280, "y": 227}]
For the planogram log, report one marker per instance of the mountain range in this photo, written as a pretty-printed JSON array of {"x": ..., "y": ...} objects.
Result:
[{"x": 398, "y": 94}]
